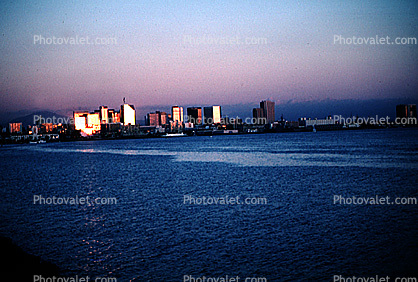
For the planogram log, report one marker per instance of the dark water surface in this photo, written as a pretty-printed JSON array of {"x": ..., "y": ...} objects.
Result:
[{"x": 151, "y": 235}]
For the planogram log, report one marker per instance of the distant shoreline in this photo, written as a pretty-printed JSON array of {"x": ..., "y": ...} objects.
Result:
[{"x": 212, "y": 133}]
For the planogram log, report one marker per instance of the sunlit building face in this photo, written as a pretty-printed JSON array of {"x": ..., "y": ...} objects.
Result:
[
  {"x": 87, "y": 123},
  {"x": 128, "y": 114},
  {"x": 216, "y": 114},
  {"x": 177, "y": 114}
]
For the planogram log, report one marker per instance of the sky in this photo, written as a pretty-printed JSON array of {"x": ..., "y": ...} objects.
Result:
[{"x": 162, "y": 54}]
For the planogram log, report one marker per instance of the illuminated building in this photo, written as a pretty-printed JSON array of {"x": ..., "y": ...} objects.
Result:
[
  {"x": 177, "y": 118},
  {"x": 104, "y": 114},
  {"x": 46, "y": 127},
  {"x": 127, "y": 114},
  {"x": 113, "y": 116},
  {"x": 87, "y": 123},
  {"x": 156, "y": 119},
  {"x": 153, "y": 119},
  {"x": 177, "y": 114},
  {"x": 15, "y": 127},
  {"x": 212, "y": 115},
  {"x": 194, "y": 115},
  {"x": 316, "y": 122},
  {"x": 163, "y": 118}
]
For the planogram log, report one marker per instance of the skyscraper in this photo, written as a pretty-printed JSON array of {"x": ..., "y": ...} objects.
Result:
[
  {"x": 153, "y": 119},
  {"x": 127, "y": 114},
  {"x": 156, "y": 119},
  {"x": 212, "y": 115},
  {"x": 163, "y": 118},
  {"x": 268, "y": 110},
  {"x": 194, "y": 115},
  {"x": 177, "y": 114},
  {"x": 217, "y": 114},
  {"x": 258, "y": 116},
  {"x": 104, "y": 114}
]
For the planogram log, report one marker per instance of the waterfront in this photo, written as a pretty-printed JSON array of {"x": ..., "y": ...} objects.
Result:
[{"x": 150, "y": 234}]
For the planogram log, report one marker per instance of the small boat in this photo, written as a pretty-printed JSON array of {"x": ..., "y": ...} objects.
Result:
[{"x": 174, "y": 135}]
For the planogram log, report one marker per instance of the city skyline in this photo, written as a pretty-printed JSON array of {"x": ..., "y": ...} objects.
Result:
[
  {"x": 176, "y": 53},
  {"x": 208, "y": 140}
]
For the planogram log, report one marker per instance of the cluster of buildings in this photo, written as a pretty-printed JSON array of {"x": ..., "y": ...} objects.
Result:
[
  {"x": 109, "y": 122},
  {"x": 265, "y": 114},
  {"x": 17, "y": 133},
  {"x": 207, "y": 120},
  {"x": 195, "y": 117},
  {"x": 104, "y": 119}
]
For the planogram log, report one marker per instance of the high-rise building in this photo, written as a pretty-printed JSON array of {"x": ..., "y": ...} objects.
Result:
[
  {"x": 152, "y": 119},
  {"x": 268, "y": 110},
  {"x": 177, "y": 114},
  {"x": 194, "y": 115},
  {"x": 212, "y": 115},
  {"x": 406, "y": 111},
  {"x": 127, "y": 114},
  {"x": 258, "y": 116},
  {"x": 217, "y": 114},
  {"x": 156, "y": 119},
  {"x": 163, "y": 118},
  {"x": 104, "y": 114}
]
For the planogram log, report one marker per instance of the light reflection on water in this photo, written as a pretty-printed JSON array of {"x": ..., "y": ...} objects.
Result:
[{"x": 246, "y": 157}]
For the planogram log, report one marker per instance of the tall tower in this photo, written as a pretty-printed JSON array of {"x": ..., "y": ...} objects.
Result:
[
  {"x": 104, "y": 114},
  {"x": 127, "y": 114},
  {"x": 194, "y": 115},
  {"x": 177, "y": 114},
  {"x": 268, "y": 110},
  {"x": 212, "y": 115}
]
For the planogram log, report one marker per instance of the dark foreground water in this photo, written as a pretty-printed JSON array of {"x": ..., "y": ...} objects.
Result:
[{"x": 151, "y": 235}]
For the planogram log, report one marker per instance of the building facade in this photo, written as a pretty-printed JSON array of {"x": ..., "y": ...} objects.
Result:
[
  {"x": 212, "y": 115},
  {"x": 156, "y": 119},
  {"x": 268, "y": 110},
  {"x": 127, "y": 114},
  {"x": 15, "y": 127},
  {"x": 177, "y": 114},
  {"x": 104, "y": 114},
  {"x": 87, "y": 123},
  {"x": 258, "y": 116},
  {"x": 194, "y": 115}
]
